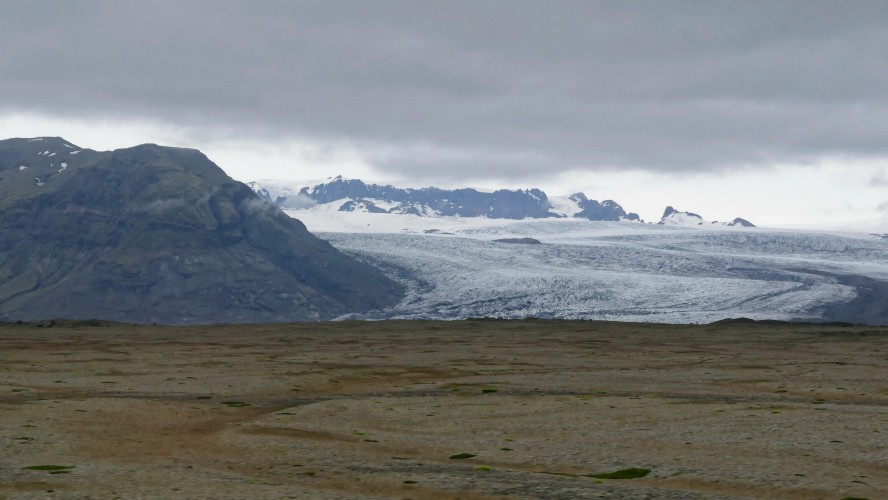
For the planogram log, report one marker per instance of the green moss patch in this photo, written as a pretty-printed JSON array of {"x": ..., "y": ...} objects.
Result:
[
  {"x": 631, "y": 473},
  {"x": 566, "y": 474},
  {"x": 461, "y": 456}
]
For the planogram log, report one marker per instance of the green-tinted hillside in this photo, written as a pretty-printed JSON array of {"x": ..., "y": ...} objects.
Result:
[{"x": 158, "y": 234}]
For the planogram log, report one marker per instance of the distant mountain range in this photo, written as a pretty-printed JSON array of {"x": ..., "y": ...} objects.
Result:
[
  {"x": 159, "y": 234},
  {"x": 355, "y": 195}
]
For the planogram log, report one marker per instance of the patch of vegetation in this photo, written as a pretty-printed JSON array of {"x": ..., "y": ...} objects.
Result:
[
  {"x": 204, "y": 397},
  {"x": 484, "y": 468},
  {"x": 631, "y": 473},
  {"x": 52, "y": 469},
  {"x": 461, "y": 456},
  {"x": 409, "y": 482},
  {"x": 558, "y": 473},
  {"x": 235, "y": 404},
  {"x": 489, "y": 390}
]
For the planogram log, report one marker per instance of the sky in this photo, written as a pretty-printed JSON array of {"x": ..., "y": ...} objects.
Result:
[{"x": 773, "y": 110}]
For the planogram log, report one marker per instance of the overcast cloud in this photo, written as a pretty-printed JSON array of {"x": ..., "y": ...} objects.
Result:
[
  {"x": 710, "y": 103},
  {"x": 479, "y": 88}
]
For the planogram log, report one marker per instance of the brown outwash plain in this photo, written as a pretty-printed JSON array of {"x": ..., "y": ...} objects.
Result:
[{"x": 376, "y": 410}]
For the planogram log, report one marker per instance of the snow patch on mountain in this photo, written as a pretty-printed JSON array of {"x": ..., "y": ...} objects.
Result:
[
  {"x": 565, "y": 206},
  {"x": 673, "y": 217}
]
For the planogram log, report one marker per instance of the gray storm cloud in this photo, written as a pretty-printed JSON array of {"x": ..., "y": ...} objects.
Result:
[{"x": 473, "y": 89}]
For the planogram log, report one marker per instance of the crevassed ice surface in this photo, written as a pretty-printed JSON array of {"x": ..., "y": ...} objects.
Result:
[{"x": 602, "y": 270}]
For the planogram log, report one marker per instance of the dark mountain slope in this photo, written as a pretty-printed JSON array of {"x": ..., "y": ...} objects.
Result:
[
  {"x": 158, "y": 234},
  {"x": 608, "y": 210}
]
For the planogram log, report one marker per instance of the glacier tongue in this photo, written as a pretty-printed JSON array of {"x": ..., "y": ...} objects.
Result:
[{"x": 606, "y": 270}]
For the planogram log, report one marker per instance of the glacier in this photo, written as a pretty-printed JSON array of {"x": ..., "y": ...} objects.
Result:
[{"x": 623, "y": 271}]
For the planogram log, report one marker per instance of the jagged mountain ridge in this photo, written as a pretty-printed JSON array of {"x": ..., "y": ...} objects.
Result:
[
  {"x": 158, "y": 234},
  {"x": 607, "y": 210},
  {"x": 501, "y": 204},
  {"x": 355, "y": 195},
  {"x": 671, "y": 216}
]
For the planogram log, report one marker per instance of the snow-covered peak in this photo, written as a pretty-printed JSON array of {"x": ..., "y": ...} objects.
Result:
[
  {"x": 673, "y": 217},
  {"x": 578, "y": 198}
]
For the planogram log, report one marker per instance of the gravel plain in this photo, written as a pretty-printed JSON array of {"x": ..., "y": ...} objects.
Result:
[{"x": 461, "y": 409}]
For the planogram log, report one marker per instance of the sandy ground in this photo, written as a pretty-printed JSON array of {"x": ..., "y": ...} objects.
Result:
[{"x": 376, "y": 410}]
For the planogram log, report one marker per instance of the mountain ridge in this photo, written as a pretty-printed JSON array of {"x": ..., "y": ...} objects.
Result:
[
  {"x": 159, "y": 234},
  {"x": 671, "y": 216},
  {"x": 356, "y": 195}
]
